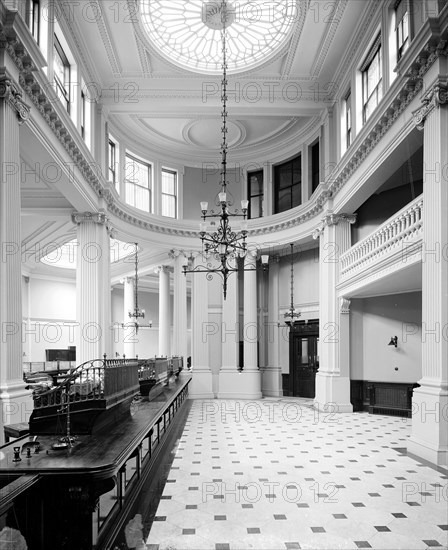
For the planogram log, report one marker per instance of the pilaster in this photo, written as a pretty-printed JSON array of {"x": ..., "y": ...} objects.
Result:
[
  {"x": 93, "y": 296},
  {"x": 333, "y": 377},
  {"x": 429, "y": 438},
  {"x": 15, "y": 400}
]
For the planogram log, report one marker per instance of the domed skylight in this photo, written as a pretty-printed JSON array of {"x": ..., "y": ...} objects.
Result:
[{"x": 188, "y": 32}]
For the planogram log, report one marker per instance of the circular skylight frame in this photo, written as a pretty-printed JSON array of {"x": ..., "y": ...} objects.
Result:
[{"x": 259, "y": 30}]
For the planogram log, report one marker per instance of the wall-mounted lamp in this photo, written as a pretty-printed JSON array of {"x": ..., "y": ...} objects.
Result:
[{"x": 393, "y": 341}]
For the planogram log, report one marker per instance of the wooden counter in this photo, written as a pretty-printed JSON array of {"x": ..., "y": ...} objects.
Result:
[{"x": 72, "y": 480}]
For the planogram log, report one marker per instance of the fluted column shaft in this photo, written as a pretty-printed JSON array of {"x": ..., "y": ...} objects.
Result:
[
  {"x": 230, "y": 324},
  {"x": 271, "y": 377},
  {"x": 180, "y": 346},
  {"x": 129, "y": 331},
  {"x": 333, "y": 377},
  {"x": 429, "y": 437},
  {"x": 250, "y": 327},
  {"x": 93, "y": 297},
  {"x": 164, "y": 311},
  {"x": 15, "y": 401}
]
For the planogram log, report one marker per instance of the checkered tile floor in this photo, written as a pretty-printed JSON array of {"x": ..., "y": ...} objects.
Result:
[{"x": 276, "y": 474}]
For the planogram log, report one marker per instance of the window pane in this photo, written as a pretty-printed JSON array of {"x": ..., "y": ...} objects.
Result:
[
  {"x": 284, "y": 199},
  {"x": 296, "y": 195},
  {"x": 255, "y": 207},
  {"x": 256, "y": 184},
  {"x": 169, "y": 206},
  {"x": 285, "y": 174}
]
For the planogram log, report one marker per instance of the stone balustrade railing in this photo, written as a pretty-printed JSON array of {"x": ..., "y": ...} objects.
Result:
[{"x": 394, "y": 234}]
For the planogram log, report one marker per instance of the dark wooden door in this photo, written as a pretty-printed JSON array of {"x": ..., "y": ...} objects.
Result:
[{"x": 304, "y": 358}]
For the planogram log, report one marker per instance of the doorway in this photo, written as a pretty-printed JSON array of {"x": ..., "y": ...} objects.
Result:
[{"x": 303, "y": 358}]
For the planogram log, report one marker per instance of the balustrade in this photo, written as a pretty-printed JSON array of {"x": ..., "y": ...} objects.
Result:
[{"x": 405, "y": 225}]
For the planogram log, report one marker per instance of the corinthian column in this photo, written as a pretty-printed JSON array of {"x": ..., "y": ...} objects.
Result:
[
  {"x": 272, "y": 373},
  {"x": 250, "y": 386},
  {"x": 129, "y": 331},
  {"x": 180, "y": 347},
  {"x": 429, "y": 438},
  {"x": 164, "y": 311},
  {"x": 15, "y": 401},
  {"x": 93, "y": 295},
  {"x": 201, "y": 385},
  {"x": 229, "y": 376},
  {"x": 333, "y": 377}
]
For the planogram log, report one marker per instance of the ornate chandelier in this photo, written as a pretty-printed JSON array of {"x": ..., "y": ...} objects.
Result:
[
  {"x": 292, "y": 314},
  {"x": 223, "y": 245},
  {"x": 137, "y": 313}
]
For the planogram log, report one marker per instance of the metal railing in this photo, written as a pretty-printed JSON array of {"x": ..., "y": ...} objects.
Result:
[{"x": 93, "y": 380}]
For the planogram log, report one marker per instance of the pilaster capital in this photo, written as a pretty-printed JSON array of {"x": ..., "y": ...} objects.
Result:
[
  {"x": 436, "y": 96},
  {"x": 99, "y": 218},
  {"x": 11, "y": 92},
  {"x": 333, "y": 219},
  {"x": 344, "y": 304}
]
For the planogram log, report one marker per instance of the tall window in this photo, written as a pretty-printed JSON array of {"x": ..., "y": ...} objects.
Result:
[
  {"x": 372, "y": 79},
  {"x": 315, "y": 167},
  {"x": 61, "y": 68},
  {"x": 401, "y": 27},
  {"x": 83, "y": 114},
  {"x": 288, "y": 185},
  {"x": 169, "y": 193},
  {"x": 33, "y": 18},
  {"x": 138, "y": 183},
  {"x": 112, "y": 162},
  {"x": 255, "y": 194},
  {"x": 348, "y": 119}
]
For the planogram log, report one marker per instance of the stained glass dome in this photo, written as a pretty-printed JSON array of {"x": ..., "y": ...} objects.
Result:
[{"x": 188, "y": 32}]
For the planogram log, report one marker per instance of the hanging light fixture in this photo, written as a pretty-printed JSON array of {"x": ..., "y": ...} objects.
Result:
[
  {"x": 292, "y": 313},
  {"x": 137, "y": 313},
  {"x": 223, "y": 244}
]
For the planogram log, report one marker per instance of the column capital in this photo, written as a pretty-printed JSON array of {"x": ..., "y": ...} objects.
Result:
[
  {"x": 333, "y": 219},
  {"x": 162, "y": 269},
  {"x": 11, "y": 92},
  {"x": 344, "y": 304},
  {"x": 99, "y": 218},
  {"x": 436, "y": 96}
]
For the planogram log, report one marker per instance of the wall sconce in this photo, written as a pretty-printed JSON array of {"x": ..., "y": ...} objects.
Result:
[{"x": 393, "y": 341}]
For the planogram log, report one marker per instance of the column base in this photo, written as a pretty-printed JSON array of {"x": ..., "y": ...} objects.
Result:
[
  {"x": 271, "y": 382},
  {"x": 240, "y": 385},
  {"x": 201, "y": 385},
  {"x": 16, "y": 405},
  {"x": 429, "y": 437},
  {"x": 332, "y": 393}
]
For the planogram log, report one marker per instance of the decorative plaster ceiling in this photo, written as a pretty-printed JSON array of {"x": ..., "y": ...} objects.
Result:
[{"x": 189, "y": 33}]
